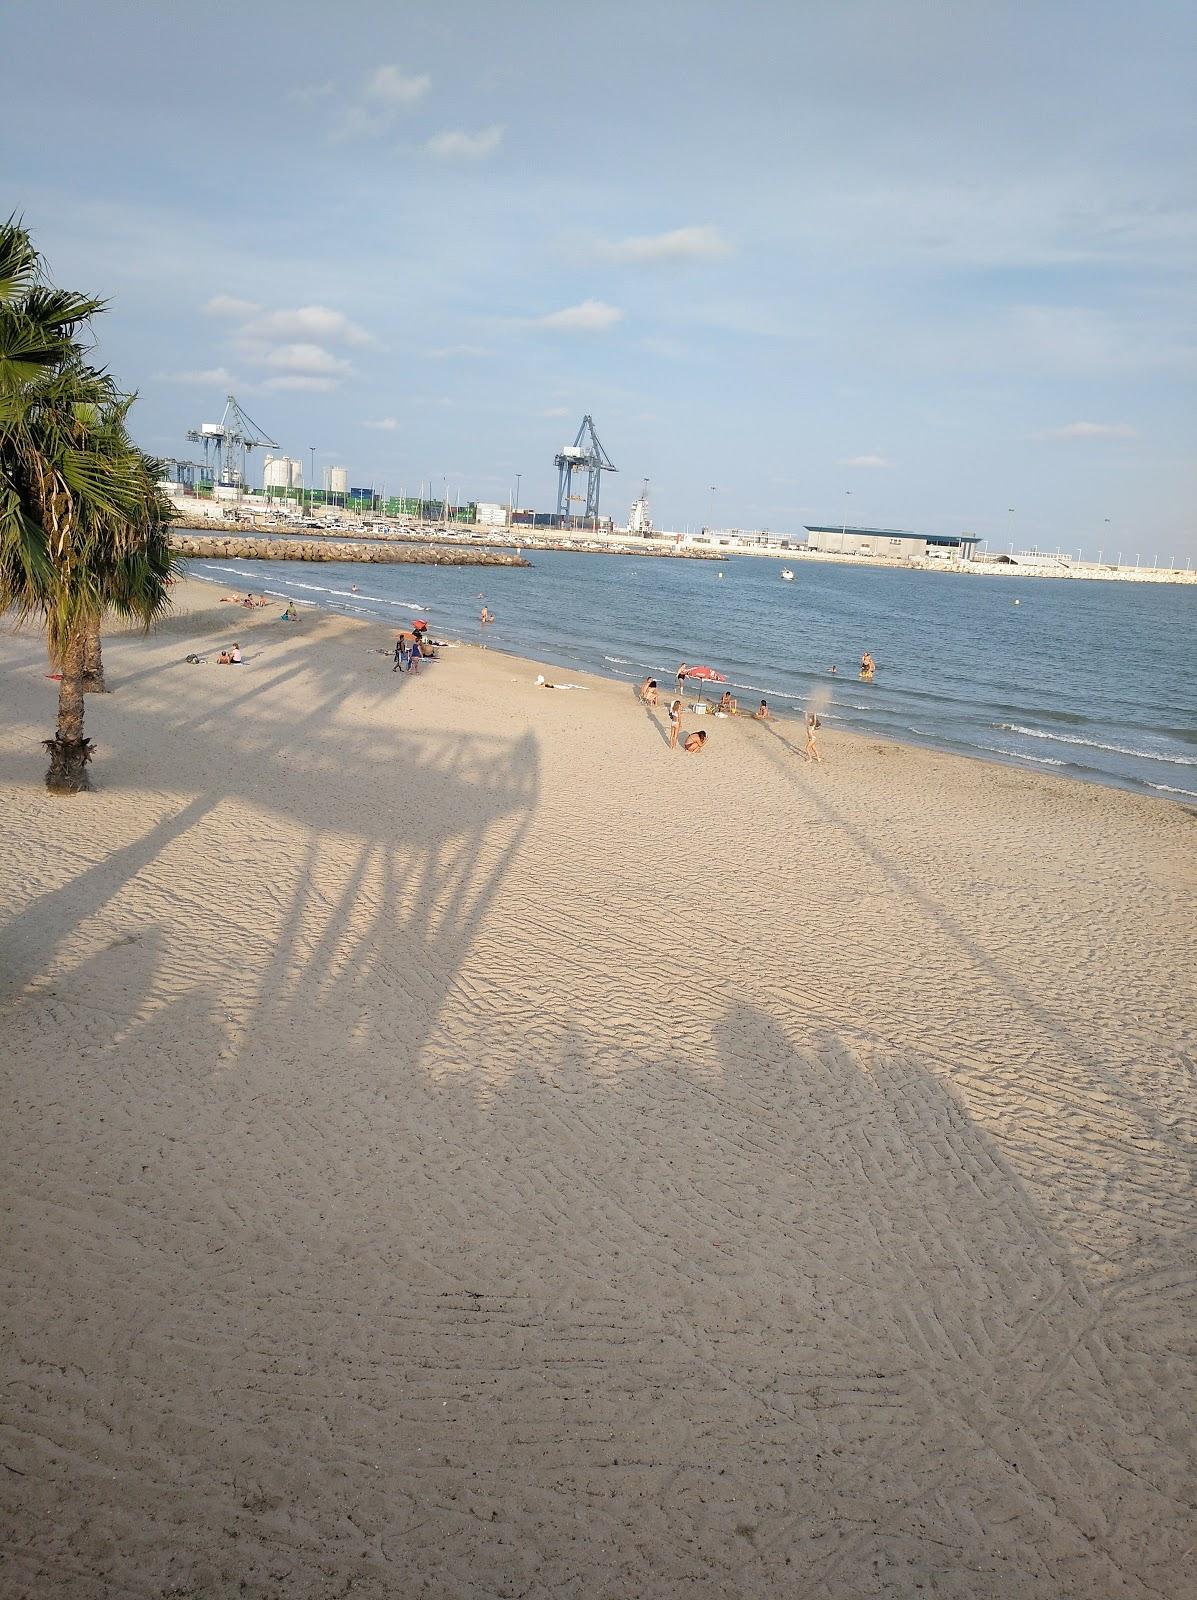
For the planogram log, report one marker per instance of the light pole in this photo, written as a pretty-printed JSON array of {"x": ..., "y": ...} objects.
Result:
[
  {"x": 312, "y": 480},
  {"x": 844, "y": 521},
  {"x": 713, "y": 488},
  {"x": 518, "y": 478}
]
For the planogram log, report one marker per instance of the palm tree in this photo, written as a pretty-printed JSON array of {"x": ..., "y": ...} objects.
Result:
[{"x": 83, "y": 526}]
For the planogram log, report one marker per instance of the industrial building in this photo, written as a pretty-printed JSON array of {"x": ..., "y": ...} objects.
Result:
[
  {"x": 281, "y": 472},
  {"x": 490, "y": 514},
  {"x": 895, "y": 543}
]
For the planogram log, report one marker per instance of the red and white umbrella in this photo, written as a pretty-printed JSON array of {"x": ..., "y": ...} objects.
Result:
[{"x": 705, "y": 675}]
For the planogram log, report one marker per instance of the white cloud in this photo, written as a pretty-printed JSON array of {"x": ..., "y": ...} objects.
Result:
[
  {"x": 306, "y": 384},
  {"x": 216, "y": 377},
  {"x": 864, "y": 461},
  {"x": 306, "y": 322},
  {"x": 458, "y": 146},
  {"x": 305, "y": 358},
  {"x": 556, "y": 411},
  {"x": 703, "y": 243},
  {"x": 312, "y": 92},
  {"x": 592, "y": 316},
  {"x": 387, "y": 93},
  {"x": 383, "y": 425},
  {"x": 452, "y": 352},
  {"x": 394, "y": 88},
  {"x": 662, "y": 345},
  {"x": 1090, "y": 430},
  {"x": 228, "y": 305}
]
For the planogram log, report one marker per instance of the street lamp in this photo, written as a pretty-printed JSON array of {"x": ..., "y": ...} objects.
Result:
[
  {"x": 713, "y": 488},
  {"x": 844, "y": 521},
  {"x": 518, "y": 478}
]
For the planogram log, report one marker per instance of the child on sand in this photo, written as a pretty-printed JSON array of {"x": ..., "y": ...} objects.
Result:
[
  {"x": 675, "y": 722},
  {"x": 812, "y": 749}
]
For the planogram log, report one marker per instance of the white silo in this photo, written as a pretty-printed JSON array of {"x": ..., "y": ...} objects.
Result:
[
  {"x": 338, "y": 480},
  {"x": 276, "y": 472}
]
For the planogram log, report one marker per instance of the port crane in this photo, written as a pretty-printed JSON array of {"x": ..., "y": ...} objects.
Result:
[
  {"x": 227, "y": 442},
  {"x": 586, "y": 453}
]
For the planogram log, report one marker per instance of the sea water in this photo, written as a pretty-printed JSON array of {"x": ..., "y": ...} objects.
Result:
[{"x": 1086, "y": 679}]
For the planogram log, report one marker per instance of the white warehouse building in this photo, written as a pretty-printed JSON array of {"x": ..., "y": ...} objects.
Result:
[
  {"x": 842, "y": 539},
  {"x": 489, "y": 514}
]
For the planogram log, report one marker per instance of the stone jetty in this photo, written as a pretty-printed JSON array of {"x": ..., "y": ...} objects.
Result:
[{"x": 232, "y": 547}]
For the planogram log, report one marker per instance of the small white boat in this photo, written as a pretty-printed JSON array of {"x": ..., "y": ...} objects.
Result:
[{"x": 787, "y": 575}]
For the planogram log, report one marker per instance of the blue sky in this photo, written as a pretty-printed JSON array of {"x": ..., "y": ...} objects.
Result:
[{"x": 922, "y": 265}]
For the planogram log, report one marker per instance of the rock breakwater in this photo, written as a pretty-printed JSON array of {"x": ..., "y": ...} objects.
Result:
[{"x": 231, "y": 547}]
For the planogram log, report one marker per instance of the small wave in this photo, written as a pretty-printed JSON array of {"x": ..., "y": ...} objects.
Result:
[
  {"x": 1170, "y": 788},
  {"x": 618, "y": 661},
  {"x": 1096, "y": 744},
  {"x": 1018, "y": 755}
]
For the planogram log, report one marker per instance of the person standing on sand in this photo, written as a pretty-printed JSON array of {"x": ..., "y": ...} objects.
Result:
[
  {"x": 399, "y": 655},
  {"x": 675, "y": 722},
  {"x": 681, "y": 678},
  {"x": 812, "y": 749}
]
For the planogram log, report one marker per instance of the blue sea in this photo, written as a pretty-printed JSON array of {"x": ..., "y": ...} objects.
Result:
[{"x": 1089, "y": 680}]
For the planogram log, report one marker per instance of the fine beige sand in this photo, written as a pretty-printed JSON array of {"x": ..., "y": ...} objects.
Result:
[{"x": 453, "y": 1147}]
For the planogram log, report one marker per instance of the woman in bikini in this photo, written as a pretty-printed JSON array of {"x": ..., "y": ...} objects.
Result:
[{"x": 675, "y": 722}]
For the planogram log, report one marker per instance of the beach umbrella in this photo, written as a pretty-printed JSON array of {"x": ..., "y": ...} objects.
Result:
[
  {"x": 705, "y": 675},
  {"x": 419, "y": 625}
]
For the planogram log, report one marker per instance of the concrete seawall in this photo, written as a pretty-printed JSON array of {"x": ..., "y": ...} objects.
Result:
[{"x": 232, "y": 547}]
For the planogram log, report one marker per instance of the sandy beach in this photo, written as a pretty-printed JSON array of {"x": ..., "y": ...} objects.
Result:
[{"x": 454, "y": 1147}]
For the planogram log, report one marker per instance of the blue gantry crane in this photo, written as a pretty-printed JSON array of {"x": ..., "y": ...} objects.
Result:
[
  {"x": 227, "y": 442},
  {"x": 586, "y": 453}
]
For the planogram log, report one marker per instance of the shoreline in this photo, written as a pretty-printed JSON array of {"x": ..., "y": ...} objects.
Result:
[{"x": 782, "y": 714}]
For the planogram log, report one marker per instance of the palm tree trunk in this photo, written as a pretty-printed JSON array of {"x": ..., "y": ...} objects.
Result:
[
  {"x": 93, "y": 661},
  {"x": 69, "y": 750}
]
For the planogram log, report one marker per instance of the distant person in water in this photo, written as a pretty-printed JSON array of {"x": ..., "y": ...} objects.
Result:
[
  {"x": 867, "y": 667},
  {"x": 695, "y": 742},
  {"x": 812, "y": 749},
  {"x": 487, "y": 616},
  {"x": 675, "y": 722},
  {"x": 761, "y": 714},
  {"x": 648, "y": 692},
  {"x": 833, "y": 670}
]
